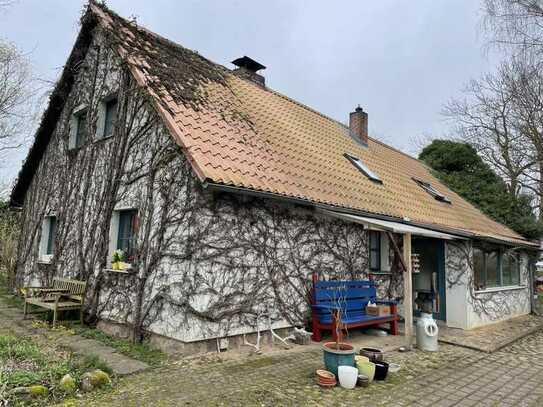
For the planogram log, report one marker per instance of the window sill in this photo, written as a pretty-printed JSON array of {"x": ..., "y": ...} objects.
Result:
[
  {"x": 504, "y": 288},
  {"x": 72, "y": 151},
  {"x": 103, "y": 138},
  {"x": 45, "y": 259},
  {"x": 129, "y": 271}
]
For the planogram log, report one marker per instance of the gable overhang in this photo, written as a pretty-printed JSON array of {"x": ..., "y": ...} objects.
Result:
[
  {"x": 53, "y": 111},
  {"x": 378, "y": 221},
  {"x": 390, "y": 226}
]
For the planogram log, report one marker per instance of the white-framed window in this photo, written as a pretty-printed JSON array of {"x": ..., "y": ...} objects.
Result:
[
  {"x": 48, "y": 235},
  {"x": 378, "y": 249},
  {"x": 78, "y": 129},
  {"x": 123, "y": 232},
  {"x": 107, "y": 117},
  {"x": 495, "y": 267}
]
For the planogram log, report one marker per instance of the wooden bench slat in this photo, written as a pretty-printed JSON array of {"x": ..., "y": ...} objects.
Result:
[
  {"x": 348, "y": 301},
  {"x": 71, "y": 298}
]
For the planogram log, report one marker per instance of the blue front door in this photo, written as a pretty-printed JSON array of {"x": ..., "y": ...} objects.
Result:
[{"x": 429, "y": 282}]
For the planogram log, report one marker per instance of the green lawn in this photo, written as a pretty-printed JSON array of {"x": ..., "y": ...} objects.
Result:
[
  {"x": 24, "y": 362},
  {"x": 140, "y": 351}
]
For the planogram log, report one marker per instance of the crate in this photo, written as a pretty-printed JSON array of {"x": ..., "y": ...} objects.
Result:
[{"x": 378, "y": 310}]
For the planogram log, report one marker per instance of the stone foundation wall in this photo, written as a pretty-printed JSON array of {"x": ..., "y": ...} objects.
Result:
[{"x": 172, "y": 346}]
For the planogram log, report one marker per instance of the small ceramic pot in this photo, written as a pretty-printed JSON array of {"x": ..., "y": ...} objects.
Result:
[
  {"x": 373, "y": 354},
  {"x": 348, "y": 376},
  {"x": 393, "y": 368},
  {"x": 367, "y": 369},
  {"x": 361, "y": 359},
  {"x": 381, "y": 370},
  {"x": 363, "y": 380}
]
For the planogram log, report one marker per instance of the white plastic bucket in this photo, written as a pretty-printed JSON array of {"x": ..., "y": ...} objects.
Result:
[{"x": 347, "y": 376}]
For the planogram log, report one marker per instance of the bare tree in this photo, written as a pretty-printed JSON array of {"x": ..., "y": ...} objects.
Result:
[
  {"x": 525, "y": 85},
  {"x": 487, "y": 118},
  {"x": 16, "y": 96},
  {"x": 501, "y": 116},
  {"x": 515, "y": 24},
  {"x": 6, "y": 3}
]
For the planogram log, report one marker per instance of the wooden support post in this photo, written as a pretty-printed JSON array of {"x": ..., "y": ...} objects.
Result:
[{"x": 407, "y": 291}]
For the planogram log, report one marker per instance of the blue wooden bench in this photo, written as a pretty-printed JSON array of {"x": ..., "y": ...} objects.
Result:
[{"x": 345, "y": 302}]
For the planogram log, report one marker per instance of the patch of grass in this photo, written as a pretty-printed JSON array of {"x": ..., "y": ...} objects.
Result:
[
  {"x": 23, "y": 362},
  {"x": 261, "y": 361},
  {"x": 11, "y": 300},
  {"x": 140, "y": 351}
]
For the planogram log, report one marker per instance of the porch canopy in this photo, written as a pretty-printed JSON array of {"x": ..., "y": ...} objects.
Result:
[
  {"x": 406, "y": 231},
  {"x": 389, "y": 226}
]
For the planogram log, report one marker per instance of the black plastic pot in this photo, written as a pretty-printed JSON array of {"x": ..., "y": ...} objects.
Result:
[
  {"x": 373, "y": 354},
  {"x": 381, "y": 370}
]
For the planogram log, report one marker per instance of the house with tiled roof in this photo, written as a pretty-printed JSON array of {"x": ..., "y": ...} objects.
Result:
[{"x": 225, "y": 197}]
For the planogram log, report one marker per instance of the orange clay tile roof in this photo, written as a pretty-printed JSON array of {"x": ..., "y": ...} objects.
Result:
[{"x": 254, "y": 138}]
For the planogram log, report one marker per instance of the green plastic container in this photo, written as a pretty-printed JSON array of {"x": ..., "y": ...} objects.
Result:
[{"x": 344, "y": 356}]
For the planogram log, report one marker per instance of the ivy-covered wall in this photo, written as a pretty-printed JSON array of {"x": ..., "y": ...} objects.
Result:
[
  {"x": 207, "y": 265},
  {"x": 468, "y": 308}
]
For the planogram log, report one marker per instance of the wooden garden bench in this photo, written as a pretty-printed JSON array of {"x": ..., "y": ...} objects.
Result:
[
  {"x": 344, "y": 302},
  {"x": 65, "y": 294}
]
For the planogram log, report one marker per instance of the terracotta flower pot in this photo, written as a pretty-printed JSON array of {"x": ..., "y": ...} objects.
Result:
[{"x": 325, "y": 378}]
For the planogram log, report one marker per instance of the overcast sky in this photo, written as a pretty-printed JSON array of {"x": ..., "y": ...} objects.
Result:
[{"x": 400, "y": 60}]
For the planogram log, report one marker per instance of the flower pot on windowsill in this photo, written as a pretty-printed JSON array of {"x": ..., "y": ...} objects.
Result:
[{"x": 121, "y": 265}]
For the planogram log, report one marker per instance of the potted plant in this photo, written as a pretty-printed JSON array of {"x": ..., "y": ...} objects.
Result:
[
  {"x": 338, "y": 353},
  {"x": 117, "y": 260}
]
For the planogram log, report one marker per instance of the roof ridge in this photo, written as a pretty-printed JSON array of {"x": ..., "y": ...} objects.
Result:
[{"x": 104, "y": 8}]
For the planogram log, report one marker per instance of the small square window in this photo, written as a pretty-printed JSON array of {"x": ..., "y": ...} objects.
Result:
[
  {"x": 81, "y": 129},
  {"x": 511, "y": 269},
  {"x": 375, "y": 250},
  {"x": 495, "y": 267},
  {"x": 48, "y": 235},
  {"x": 431, "y": 190},
  {"x": 126, "y": 236},
  {"x": 363, "y": 168},
  {"x": 51, "y": 235},
  {"x": 110, "y": 117}
]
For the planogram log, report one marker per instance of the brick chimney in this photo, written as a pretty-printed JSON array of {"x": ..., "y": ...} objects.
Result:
[
  {"x": 358, "y": 125},
  {"x": 247, "y": 68}
]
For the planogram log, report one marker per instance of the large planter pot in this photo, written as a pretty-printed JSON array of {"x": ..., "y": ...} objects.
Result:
[{"x": 334, "y": 357}]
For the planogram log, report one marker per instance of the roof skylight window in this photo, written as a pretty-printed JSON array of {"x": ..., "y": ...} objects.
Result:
[
  {"x": 363, "y": 168},
  {"x": 431, "y": 190}
]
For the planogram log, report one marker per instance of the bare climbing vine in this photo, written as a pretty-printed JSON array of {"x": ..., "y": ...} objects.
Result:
[
  {"x": 206, "y": 265},
  {"x": 488, "y": 305}
]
